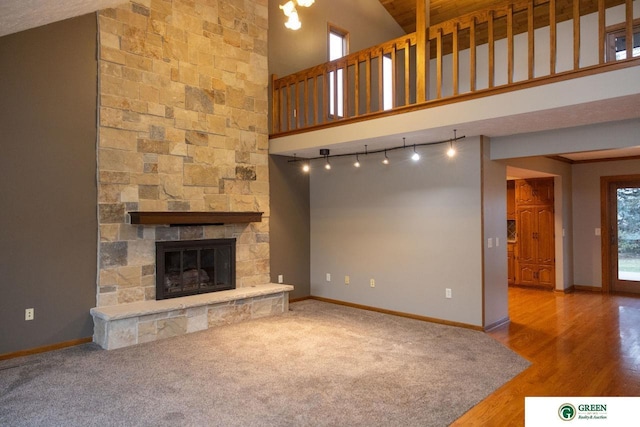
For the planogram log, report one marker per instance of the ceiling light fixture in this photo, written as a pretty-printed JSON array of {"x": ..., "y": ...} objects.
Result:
[
  {"x": 357, "y": 163},
  {"x": 290, "y": 11},
  {"x": 385, "y": 161}
]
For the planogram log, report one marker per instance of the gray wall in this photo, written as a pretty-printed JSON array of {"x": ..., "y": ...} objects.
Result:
[
  {"x": 586, "y": 201},
  {"x": 367, "y": 22},
  {"x": 415, "y": 228},
  {"x": 494, "y": 217},
  {"x": 48, "y": 82},
  {"x": 289, "y": 225}
]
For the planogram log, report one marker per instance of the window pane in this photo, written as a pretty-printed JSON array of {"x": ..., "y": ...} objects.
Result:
[
  {"x": 629, "y": 233},
  {"x": 620, "y": 44},
  {"x": 336, "y": 46},
  {"x": 387, "y": 82}
]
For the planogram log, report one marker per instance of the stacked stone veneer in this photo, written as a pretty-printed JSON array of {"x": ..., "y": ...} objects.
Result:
[{"x": 182, "y": 127}]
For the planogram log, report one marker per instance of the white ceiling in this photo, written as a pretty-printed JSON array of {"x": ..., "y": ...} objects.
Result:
[{"x": 19, "y": 15}]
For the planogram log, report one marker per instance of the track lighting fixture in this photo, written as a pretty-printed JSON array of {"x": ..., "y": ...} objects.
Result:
[{"x": 325, "y": 153}]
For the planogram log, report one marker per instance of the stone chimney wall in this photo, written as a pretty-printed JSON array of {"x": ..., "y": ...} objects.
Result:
[{"x": 183, "y": 126}]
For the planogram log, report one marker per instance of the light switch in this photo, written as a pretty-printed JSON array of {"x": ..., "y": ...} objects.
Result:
[
  {"x": 597, "y": 231},
  {"x": 490, "y": 242}
]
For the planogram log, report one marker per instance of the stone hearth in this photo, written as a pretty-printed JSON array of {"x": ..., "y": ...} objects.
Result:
[{"x": 124, "y": 325}]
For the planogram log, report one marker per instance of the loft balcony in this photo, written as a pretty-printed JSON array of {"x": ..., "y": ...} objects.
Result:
[{"x": 548, "y": 63}]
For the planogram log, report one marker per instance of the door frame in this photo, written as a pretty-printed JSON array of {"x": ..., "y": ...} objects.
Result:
[{"x": 605, "y": 218}]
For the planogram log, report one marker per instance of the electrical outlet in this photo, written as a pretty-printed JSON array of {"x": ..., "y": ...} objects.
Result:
[
  {"x": 328, "y": 277},
  {"x": 447, "y": 293},
  {"x": 372, "y": 283},
  {"x": 280, "y": 278},
  {"x": 347, "y": 280},
  {"x": 29, "y": 314},
  {"x": 497, "y": 242},
  {"x": 490, "y": 242}
]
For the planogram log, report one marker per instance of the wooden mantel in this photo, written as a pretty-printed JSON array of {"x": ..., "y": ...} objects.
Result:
[{"x": 194, "y": 218}]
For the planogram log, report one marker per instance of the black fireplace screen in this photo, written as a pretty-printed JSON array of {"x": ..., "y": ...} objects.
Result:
[{"x": 194, "y": 267}]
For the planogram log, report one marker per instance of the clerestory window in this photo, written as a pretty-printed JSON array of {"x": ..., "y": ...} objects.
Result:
[{"x": 617, "y": 42}]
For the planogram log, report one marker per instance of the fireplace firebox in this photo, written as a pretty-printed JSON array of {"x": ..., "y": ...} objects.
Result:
[{"x": 191, "y": 267}]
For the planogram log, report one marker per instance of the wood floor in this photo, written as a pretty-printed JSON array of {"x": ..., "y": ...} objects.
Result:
[{"x": 579, "y": 344}]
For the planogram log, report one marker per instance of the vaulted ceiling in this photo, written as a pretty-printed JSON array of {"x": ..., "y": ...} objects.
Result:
[{"x": 404, "y": 11}]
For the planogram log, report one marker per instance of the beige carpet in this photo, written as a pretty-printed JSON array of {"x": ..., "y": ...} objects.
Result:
[{"x": 318, "y": 365}]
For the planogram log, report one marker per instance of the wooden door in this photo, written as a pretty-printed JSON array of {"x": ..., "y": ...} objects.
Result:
[
  {"x": 544, "y": 236},
  {"x": 526, "y": 226},
  {"x": 536, "y": 246}
]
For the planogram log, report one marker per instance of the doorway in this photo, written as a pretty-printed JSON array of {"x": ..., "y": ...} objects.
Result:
[{"x": 621, "y": 233}]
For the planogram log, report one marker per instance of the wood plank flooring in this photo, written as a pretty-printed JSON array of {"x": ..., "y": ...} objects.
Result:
[{"x": 579, "y": 344}]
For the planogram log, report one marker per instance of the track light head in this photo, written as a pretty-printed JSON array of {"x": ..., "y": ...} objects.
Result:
[
  {"x": 385, "y": 161},
  {"x": 415, "y": 157}
]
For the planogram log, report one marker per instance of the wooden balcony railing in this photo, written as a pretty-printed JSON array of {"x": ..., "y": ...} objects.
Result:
[{"x": 500, "y": 47}]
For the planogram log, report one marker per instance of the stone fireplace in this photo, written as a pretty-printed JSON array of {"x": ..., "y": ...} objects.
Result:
[{"x": 183, "y": 128}]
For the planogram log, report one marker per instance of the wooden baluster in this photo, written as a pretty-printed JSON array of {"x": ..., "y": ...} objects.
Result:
[
  {"x": 552, "y": 37},
  {"x": 532, "y": 44},
  {"x": 335, "y": 93},
  {"x": 629, "y": 29},
  {"x": 315, "y": 99},
  {"x": 368, "y": 81},
  {"x": 345, "y": 89},
  {"x": 576, "y": 34},
  {"x": 510, "y": 44},
  {"x": 288, "y": 109},
  {"x": 296, "y": 111},
  {"x": 492, "y": 50},
  {"x": 601, "y": 31},
  {"x": 275, "y": 114},
  {"x": 305, "y": 112},
  {"x": 380, "y": 81},
  {"x": 455, "y": 54},
  {"x": 407, "y": 74},
  {"x": 472, "y": 54},
  {"x": 394, "y": 76},
  {"x": 423, "y": 22},
  {"x": 439, "y": 64},
  {"x": 327, "y": 100},
  {"x": 356, "y": 88}
]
